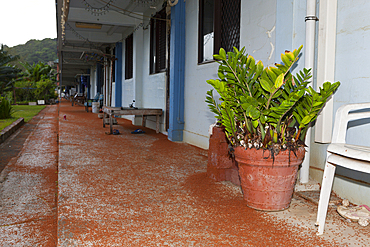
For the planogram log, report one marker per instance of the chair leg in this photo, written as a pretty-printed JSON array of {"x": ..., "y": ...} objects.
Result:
[{"x": 327, "y": 182}]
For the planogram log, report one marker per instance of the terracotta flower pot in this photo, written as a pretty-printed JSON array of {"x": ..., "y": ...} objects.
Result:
[
  {"x": 268, "y": 185},
  {"x": 220, "y": 166}
]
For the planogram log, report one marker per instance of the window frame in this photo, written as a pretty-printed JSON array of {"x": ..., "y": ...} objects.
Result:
[
  {"x": 158, "y": 43},
  {"x": 217, "y": 28}
]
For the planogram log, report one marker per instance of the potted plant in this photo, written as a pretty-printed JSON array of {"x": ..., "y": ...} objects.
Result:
[{"x": 266, "y": 113}]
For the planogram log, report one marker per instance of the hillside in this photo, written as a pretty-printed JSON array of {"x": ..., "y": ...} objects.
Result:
[{"x": 35, "y": 51}]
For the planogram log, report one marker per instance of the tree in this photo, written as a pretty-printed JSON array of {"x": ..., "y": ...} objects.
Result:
[
  {"x": 45, "y": 89},
  {"x": 35, "y": 51},
  {"x": 38, "y": 71},
  {"x": 7, "y": 72}
]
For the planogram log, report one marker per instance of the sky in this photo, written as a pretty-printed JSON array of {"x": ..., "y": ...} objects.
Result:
[{"x": 22, "y": 20}]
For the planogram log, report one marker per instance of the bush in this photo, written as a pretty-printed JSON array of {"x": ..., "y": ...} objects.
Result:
[
  {"x": 6, "y": 109},
  {"x": 25, "y": 91},
  {"x": 45, "y": 89}
]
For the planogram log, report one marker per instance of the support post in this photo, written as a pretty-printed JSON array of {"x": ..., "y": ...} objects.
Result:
[
  {"x": 177, "y": 72},
  {"x": 118, "y": 75}
]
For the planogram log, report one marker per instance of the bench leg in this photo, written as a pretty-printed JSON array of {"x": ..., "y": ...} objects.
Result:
[
  {"x": 327, "y": 182},
  {"x": 157, "y": 124},
  {"x": 143, "y": 120},
  {"x": 104, "y": 117},
  {"x": 111, "y": 123}
]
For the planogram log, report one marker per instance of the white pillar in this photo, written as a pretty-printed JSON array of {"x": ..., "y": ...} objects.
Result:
[{"x": 326, "y": 65}]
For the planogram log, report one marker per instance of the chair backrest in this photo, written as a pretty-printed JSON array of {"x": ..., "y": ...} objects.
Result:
[{"x": 346, "y": 114}]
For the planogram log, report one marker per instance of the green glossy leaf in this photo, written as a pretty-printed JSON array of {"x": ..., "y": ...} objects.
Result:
[
  {"x": 221, "y": 75},
  {"x": 217, "y": 57},
  {"x": 279, "y": 81},
  {"x": 306, "y": 120},
  {"x": 251, "y": 62},
  {"x": 255, "y": 123},
  {"x": 222, "y": 54},
  {"x": 266, "y": 85},
  {"x": 259, "y": 68},
  {"x": 290, "y": 55},
  {"x": 285, "y": 60}
]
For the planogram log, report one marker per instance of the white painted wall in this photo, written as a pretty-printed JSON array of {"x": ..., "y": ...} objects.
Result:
[
  {"x": 153, "y": 86},
  {"x": 257, "y": 19},
  {"x": 127, "y": 85},
  {"x": 258, "y": 29},
  {"x": 148, "y": 90},
  {"x": 197, "y": 116},
  {"x": 351, "y": 69}
]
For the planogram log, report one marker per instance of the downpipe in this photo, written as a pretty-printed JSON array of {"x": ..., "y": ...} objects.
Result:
[{"x": 310, "y": 20}]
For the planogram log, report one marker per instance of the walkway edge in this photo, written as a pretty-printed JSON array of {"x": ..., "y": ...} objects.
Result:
[{"x": 9, "y": 130}]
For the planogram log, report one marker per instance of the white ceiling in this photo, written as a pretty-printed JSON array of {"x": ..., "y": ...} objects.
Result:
[{"x": 117, "y": 20}]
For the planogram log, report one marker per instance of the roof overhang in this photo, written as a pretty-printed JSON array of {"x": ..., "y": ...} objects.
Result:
[{"x": 88, "y": 28}]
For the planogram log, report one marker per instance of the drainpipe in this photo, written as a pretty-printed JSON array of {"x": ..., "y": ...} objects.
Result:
[{"x": 310, "y": 20}]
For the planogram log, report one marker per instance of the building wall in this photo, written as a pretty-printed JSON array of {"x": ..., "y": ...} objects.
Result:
[
  {"x": 128, "y": 86},
  {"x": 153, "y": 86},
  {"x": 268, "y": 28},
  {"x": 148, "y": 90},
  {"x": 351, "y": 70},
  {"x": 257, "y": 34},
  {"x": 197, "y": 116}
]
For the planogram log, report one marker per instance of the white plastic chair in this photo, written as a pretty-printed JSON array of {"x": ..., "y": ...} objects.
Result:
[{"x": 341, "y": 154}]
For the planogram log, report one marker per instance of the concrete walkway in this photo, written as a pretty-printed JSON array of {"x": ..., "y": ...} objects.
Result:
[
  {"x": 28, "y": 185},
  {"x": 138, "y": 190}
]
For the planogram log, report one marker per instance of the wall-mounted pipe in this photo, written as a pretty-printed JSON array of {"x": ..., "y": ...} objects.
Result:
[{"x": 310, "y": 20}]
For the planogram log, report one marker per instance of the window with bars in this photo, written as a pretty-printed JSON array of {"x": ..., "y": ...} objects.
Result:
[
  {"x": 129, "y": 57},
  {"x": 158, "y": 42},
  {"x": 219, "y": 26}
]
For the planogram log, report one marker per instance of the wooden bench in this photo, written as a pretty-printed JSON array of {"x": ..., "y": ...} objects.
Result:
[
  {"x": 78, "y": 99},
  {"x": 119, "y": 111}
]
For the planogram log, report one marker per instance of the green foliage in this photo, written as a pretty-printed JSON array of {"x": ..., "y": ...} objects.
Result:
[
  {"x": 263, "y": 107},
  {"x": 45, "y": 89},
  {"x": 6, "y": 109},
  {"x": 38, "y": 83},
  {"x": 213, "y": 105},
  {"x": 25, "y": 91},
  {"x": 35, "y": 51},
  {"x": 7, "y": 72},
  {"x": 38, "y": 71}
]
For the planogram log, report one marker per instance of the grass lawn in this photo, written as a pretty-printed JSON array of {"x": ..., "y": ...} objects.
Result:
[{"x": 25, "y": 111}]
